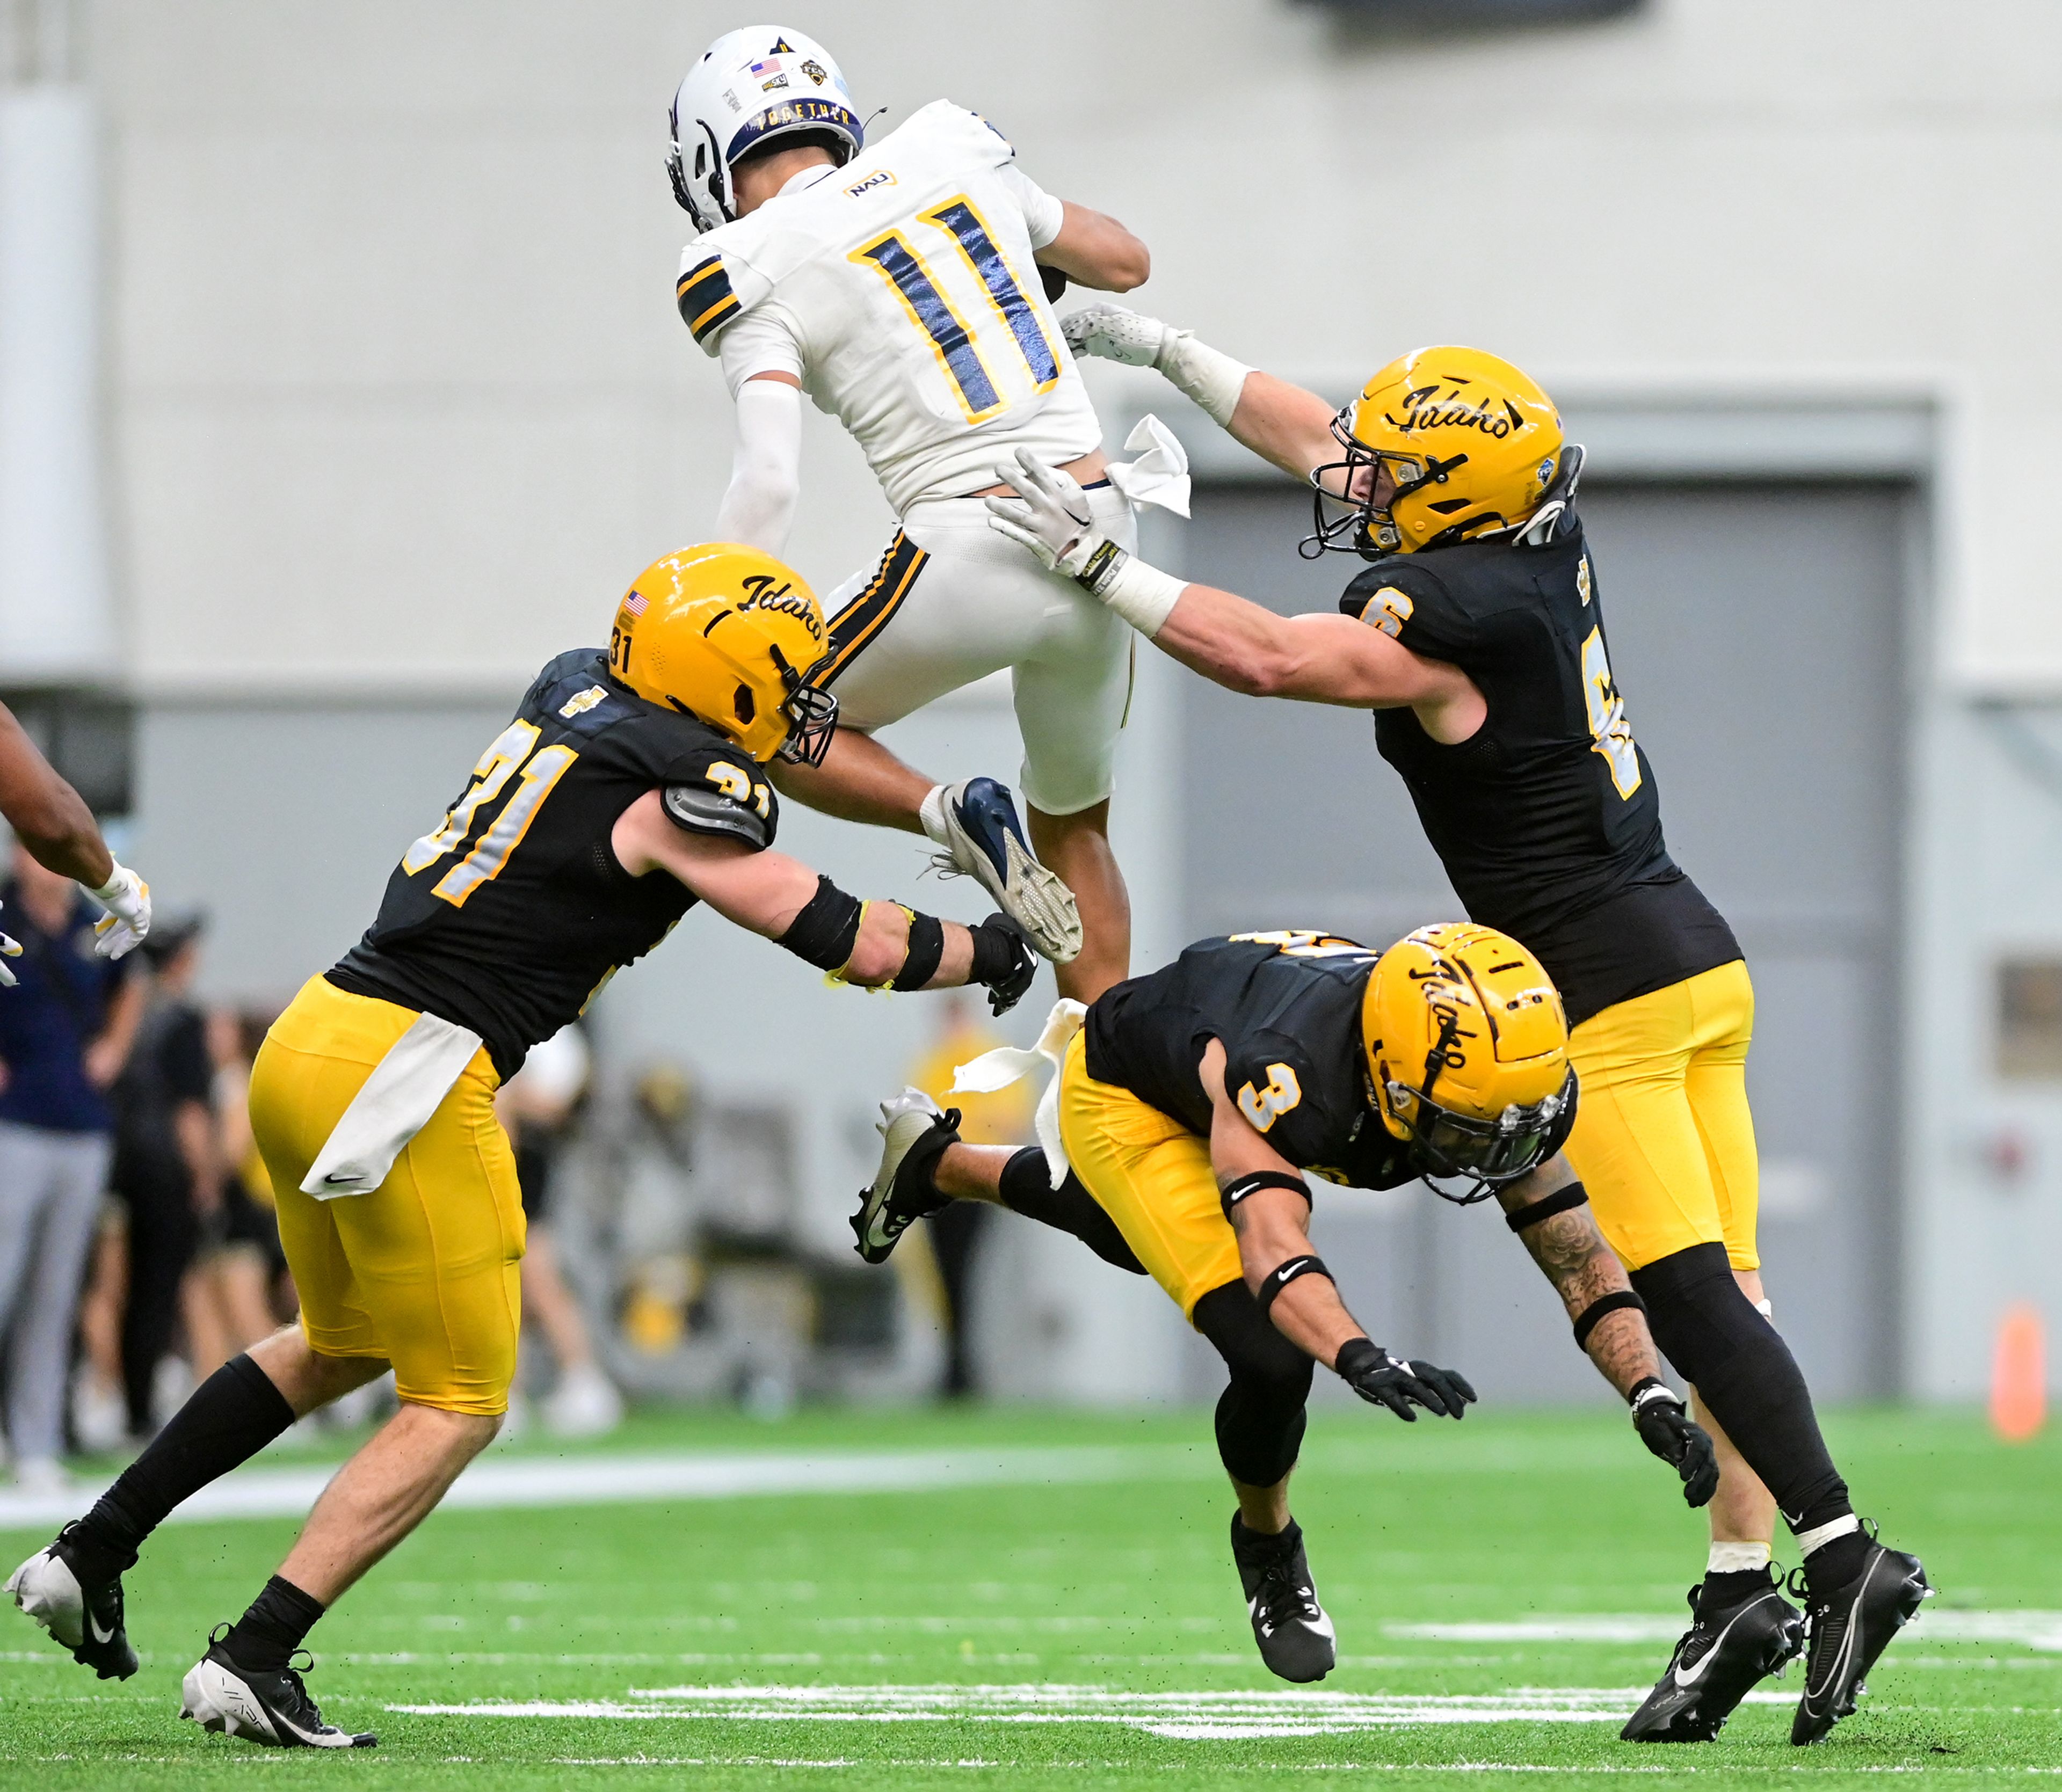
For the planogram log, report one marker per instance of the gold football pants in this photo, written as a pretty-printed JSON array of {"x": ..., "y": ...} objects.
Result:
[
  {"x": 1663, "y": 1140},
  {"x": 425, "y": 1270},
  {"x": 1152, "y": 1176}
]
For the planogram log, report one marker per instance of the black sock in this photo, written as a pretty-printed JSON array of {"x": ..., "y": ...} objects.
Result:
[
  {"x": 1744, "y": 1373},
  {"x": 1027, "y": 1189},
  {"x": 1257, "y": 1542},
  {"x": 1835, "y": 1563},
  {"x": 277, "y": 1624},
  {"x": 1722, "y": 1592},
  {"x": 231, "y": 1417}
]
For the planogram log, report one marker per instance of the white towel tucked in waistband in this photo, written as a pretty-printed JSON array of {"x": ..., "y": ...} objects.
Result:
[
  {"x": 1000, "y": 1068},
  {"x": 392, "y": 1106},
  {"x": 1158, "y": 476}
]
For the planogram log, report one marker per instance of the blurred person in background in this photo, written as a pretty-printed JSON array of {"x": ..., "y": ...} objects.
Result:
[
  {"x": 1001, "y": 1116},
  {"x": 167, "y": 1168},
  {"x": 226, "y": 1297},
  {"x": 65, "y": 1030},
  {"x": 250, "y": 1262},
  {"x": 538, "y": 1106}
]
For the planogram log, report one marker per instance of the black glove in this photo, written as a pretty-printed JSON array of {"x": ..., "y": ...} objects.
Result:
[
  {"x": 1665, "y": 1427},
  {"x": 1003, "y": 960},
  {"x": 1382, "y": 1379},
  {"x": 1053, "y": 281}
]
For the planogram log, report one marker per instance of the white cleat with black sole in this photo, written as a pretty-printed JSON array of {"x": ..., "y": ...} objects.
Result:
[
  {"x": 264, "y": 1704},
  {"x": 914, "y": 1133},
  {"x": 83, "y": 1614},
  {"x": 984, "y": 840}
]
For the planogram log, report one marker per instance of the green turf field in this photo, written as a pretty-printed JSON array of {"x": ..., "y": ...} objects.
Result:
[{"x": 1492, "y": 1584}]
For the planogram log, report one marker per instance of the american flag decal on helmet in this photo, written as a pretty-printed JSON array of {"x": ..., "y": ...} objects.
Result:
[{"x": 633, "y": 605}]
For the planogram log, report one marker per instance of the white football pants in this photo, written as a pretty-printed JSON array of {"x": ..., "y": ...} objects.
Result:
[{"x": 952, "y": 601}]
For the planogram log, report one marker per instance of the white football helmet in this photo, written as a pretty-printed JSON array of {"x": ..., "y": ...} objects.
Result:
[{"x": 750, "y": 87}]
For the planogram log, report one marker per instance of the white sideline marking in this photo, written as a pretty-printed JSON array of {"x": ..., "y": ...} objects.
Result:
[
  {"x": 1207, "y": 1716},
  {"x": 2040, "y": 1630},
  {"x": 609, "y": 1480}
]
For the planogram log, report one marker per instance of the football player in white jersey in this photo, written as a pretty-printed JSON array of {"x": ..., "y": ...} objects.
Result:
[{"x": 903, "y": 285}]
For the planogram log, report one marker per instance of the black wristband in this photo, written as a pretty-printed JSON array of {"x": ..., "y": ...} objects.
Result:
[
  {"x": 1279, "y": 1277},
  {"x": 1235, "y": 1191},
  {"x": 1574, "y": 1195},
  {"x": 824, "y": 931},
  {"x": 927, "y": 946},
  {"x": 1586, "y": 1321}
]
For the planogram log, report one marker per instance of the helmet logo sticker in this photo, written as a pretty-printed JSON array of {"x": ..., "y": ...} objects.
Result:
[
  {"x": 815, "y": 71},
  {"x": 768, "y": 86},
  {"x": 786, "y": 600},
  {"x": 781, "y": 47},
  {"x": 1422, "y": 409}
]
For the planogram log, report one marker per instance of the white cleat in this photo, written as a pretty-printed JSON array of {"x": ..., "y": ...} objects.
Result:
[
  {"x": 984, "y": 840},
  {"x": 584, "y": 1404},
  {"x": 886, "y": 1209},
  {"x": 85, "y": 1619},
  {"x": 269, "y": 1707}
]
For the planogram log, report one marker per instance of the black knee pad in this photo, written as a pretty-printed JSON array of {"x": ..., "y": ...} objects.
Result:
[
  {"x": 1705, "y": 1325},
  {"x": 1026, "y": 1188},
  {"x": 1260, "y": 1415}
]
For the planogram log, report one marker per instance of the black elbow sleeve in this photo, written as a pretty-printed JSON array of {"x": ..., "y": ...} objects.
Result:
[{"x": 824, "y": 931}]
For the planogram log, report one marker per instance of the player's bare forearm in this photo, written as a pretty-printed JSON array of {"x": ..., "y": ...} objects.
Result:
[
  {"x": 1572, "y": 1255},
  {"x": 1315, "y": 658},
  {"x": 1094, "y": 249},
  {"x": 1308, "y": 1311},
  {"x": 764, "y": 890},
  {"x": 49, "y": 817},
  {"x": 1284, "y": 424}
]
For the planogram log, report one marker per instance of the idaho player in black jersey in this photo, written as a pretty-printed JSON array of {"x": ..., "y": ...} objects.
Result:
[
  {"x": 1477, "y": 635},
  {"x": 630, "y": 785},
  {"x": 1189, "y": 1107}
]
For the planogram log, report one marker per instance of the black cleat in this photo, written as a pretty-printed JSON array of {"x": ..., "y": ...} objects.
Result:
[
  {"x": 1294, "y": 1634},
  {"x": 83, "y": 1613},
  {"x": 914, "y": 1133},
  {"x": 270, "y": 1706},
  {"x": 1852, "y": 1625},
  {"x": 1727, "y": 1650}
]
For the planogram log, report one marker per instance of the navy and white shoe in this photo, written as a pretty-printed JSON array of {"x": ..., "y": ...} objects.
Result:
[
  {"x": 1726, "y": 1652},
  {"x": 984, "y": 840},
  {"x": 83, "y": 1613},
  {"x": 1850, "y": 1626},
  {"x": 914, "y": 1131},
  {"x": 1294, "y": 1631},
  {"x": 268, "y": 1706}
]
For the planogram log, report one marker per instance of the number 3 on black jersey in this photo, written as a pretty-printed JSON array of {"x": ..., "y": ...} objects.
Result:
[{"x": 515, "y": 751}]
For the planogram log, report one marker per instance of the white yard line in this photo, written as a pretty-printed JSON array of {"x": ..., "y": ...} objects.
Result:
[
  {"x": 611, "y": 1480},
  {"x": 2040, "y": 1630},
  {"x": 1199, "y": 1716}
]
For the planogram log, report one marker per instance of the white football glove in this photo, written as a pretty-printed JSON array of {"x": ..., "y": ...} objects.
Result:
[
  {"x": 9, "y": 948},
  {"x": 126, "y": 898},
  {"x": 1050, "y": 514},
  {"x": 1114, "y": 333}
]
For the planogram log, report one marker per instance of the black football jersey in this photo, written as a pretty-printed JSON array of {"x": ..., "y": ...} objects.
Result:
[
  {"x": 513, "y": 910},
  {"x": 1547, "y": 819},
  {"x": 1286, "y": 1008}
]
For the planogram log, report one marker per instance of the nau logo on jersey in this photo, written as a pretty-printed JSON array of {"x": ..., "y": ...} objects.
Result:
[
  {"x": 581, "y": 702},
  {"x": 759, "y": 595},
  {"x": 879, "y": 177}
]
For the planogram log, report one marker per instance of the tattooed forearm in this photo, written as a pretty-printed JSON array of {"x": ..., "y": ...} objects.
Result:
[{"x": 1573, "y": 1256}]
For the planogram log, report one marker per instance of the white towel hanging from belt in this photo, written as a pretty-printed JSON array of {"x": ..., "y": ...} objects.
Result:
[{"x": 999, "y": 1069}]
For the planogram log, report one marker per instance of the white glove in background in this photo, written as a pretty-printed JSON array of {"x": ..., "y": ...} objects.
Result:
[
  {"x": 9, "y": 948},
  {"x": 126, "y": 898},
  {"x": 1213, "y": 379},
  {"x": 1112, "y": 332}
]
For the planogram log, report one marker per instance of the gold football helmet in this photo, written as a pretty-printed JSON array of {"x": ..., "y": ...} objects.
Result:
[
  {"x": 1467, "y": 1043},
  {"x": 732, "y": 636},
  {"x": 1472, "y": 443}
]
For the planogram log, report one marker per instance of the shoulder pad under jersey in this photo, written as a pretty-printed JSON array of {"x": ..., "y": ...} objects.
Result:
[{"x": 725, "y": 795}]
